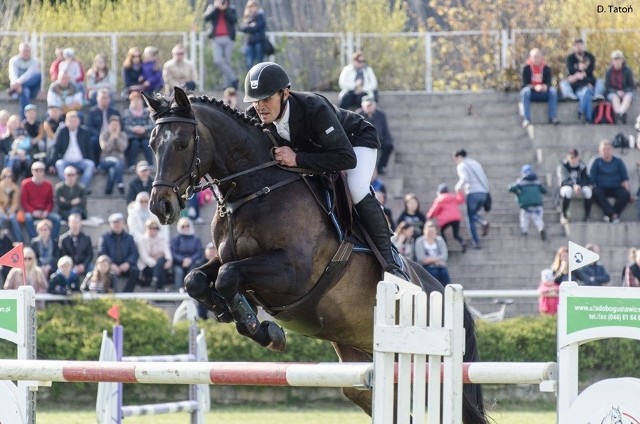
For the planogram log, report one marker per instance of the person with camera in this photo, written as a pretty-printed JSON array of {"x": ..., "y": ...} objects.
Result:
[{"x": 223, "y": 18}]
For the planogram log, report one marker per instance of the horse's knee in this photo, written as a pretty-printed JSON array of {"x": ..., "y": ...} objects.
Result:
[
  {"x": 228, "y": 282},
  {"x": 197, "y": 284}
]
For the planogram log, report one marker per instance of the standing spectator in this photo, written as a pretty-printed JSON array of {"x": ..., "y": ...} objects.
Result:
[
  {"x": 113, "y": 145},
  {"x": 230, "y": 97},
  {"x": 529, "y": 190},
  {"x": 432, "y": 254},
  {"x": 24, "y": 76},
  {"x": 610, "y": 179},
  {"x": 9, "y": 203},
  {"x": 536, "y": 87},
  {"x": 186, "y": 250},
  {"x": 254, "y": 24},
  {"x": 46, "y": 248},
  {"x": 593, "y": 274},
  {"x": 619, "y": 86},
  {"x": 72, "y": 66},
  {"x": 36, "y": 200},
  {"x": 474, "y": 183},
  {"x": 141, "y": 182},
  {"x": 51, "y": 124},
  {"x": 632, "y": 274},
  {"x": 404, "y": 241},
  {"x": 151, "y": 72},
  {"x": 549, "y": 293},
  {"x": 132, "y": 72},
  {"x": 70, "y": 196},
  {"x": 378, "y": 118},
  {"x": 137, "y": 124},
  {"x": 120, "y": 247},
  {"x": 412, "y": 215},
  {"x": 574, "y": 180},
  {"x": 98, "y": 120},
  {"x": 356, "y": 81},
  {"x": 100, "y": 77},
  {"x": 223, "y": 18},
  {"x": 580, "y": 82},
  {"x": 178, "y": 71},
  {"x": 155, "y": 261},
  {"x": 34, "y": 276},
  {"x": 560, "y": 265},
  {"x": 446, "y": 211},
  {"x": 64, "y": 94},
  {"x": 77, "y": 245},
  {"x": 64, "y": 280},
  {"x": 73, "y": 147},
  {"x": 100, "y": 279},
  {"x": 54, "y": 68},
  {"x": 33, "y": 129}
]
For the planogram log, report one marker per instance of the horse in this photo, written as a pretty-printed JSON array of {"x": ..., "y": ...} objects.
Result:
[
  {"x": 614, "y": 416},
  {"x": 274, "y": 238}
]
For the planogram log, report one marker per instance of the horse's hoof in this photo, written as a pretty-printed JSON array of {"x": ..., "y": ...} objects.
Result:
[{"x": 277, "y": 336}]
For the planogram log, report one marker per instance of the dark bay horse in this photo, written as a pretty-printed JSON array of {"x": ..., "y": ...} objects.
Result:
[{"x": 274, "y": 239}]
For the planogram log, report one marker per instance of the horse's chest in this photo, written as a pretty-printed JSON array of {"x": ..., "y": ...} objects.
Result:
[{"x": 244, "y": 247}]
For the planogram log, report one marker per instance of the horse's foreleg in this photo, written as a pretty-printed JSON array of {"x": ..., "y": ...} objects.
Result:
[
  {"x": 362, "y": 398},
  {"x": 199, "y": 284}
]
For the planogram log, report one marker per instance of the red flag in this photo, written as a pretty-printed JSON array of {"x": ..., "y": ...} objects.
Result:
[
  {"x": 13, "y": 258},
  {"x": 114, "y": 312}
]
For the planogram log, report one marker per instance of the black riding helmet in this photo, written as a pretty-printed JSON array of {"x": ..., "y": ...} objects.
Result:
[{"x": 264, "y": 80}]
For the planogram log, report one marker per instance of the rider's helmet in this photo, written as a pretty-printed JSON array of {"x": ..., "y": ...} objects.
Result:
[{"x": 264, "y": 80}]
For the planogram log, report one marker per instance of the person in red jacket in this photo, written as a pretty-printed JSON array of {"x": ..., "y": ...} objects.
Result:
[
  {"x": 36, "y": 200},
  {"x": 445, "y": 210}
]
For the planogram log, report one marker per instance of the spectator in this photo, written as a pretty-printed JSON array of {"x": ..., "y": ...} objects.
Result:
[
  {"x": 474, "y": 183},
  {"x": 619, "y": 86},
  {"x": 574, "y": 180},
  {"x": 100, "y": 280},
  {"x": 178, "y": 71},
  {"x": 6, "y": 244},
  {"x": 73, "y": 147},
  {"x": 632, "y": 274},
  {"x": 51, "y": 125},
  {"x": 610, "y": 179},
  {"x": 72, "y": 66},
  {"x": 9, "y": 203},
  {"x": 19, "y": 158},
  {"x": 412, "y": 215},
  {"x": 54, "y": 68},
  {"x": 186, "y": 250},
  {"x": 137, "y": 124},
  {"x": 4, "y": 118},
  {"x": 70, "y": 196},
  {"x": 113, "y": 145},
  {"x": 549, "y": 293},
  {"x": 24, "y": 76},
  {"x": 151, "y": 72},
  {"x": 536, "y": 87},
  {"x": 431, "y": 252},
  {"x": 631, "y": 259},
  {"x": 404, "y": 241},
  {"x": 593, "y": 274},
  {"x": 356, "y": 81},
  {"x": 580, "y": 82},
  {"x": 12, "y": 131},
  {"x": 98, "y": 120},
  {"x": 381, "y": 196},
  {"x": 121, "y": 249},
  {"x": 33, "y": 129},
  {"x": 139, "y": 214},
  {"x": 141, "y": 182},
  {"x": 529, "y": 190},
  {"x": 223, "y": 18},
  {"x": 34, "y": 276},
  {"x": 46, "y": 248},
  {"x": 155, "y": 259},
  {"x": 230, "y": 97},
  {"x": 36, "y": 200},
  {"x": 64, "y": 280},
  {"x": 100, "y": 77},
  {"x": 64, "y": 94},
  {"x": 132, "y": 72},
  {"x": 378, "y": 118},
  {"x": 254, "y": 25},
  {"x": 446, "y": 211},
  {"x": 560, "y": 265},
  {"x": 77, "y": 245}
]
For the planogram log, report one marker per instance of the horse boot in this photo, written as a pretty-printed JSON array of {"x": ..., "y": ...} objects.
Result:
[
  {"x": 269, "y": 335},
  {"x": 200, "y": 288},
  {"x": 375, "y": 223},
  {"x": 244, "y": 314}
]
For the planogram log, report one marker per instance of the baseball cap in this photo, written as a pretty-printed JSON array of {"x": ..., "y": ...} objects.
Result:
[
  {"x": 142, "y": 165},
  {"x": 526, "y": 170},
  {"x": 114, "y": 217},
  {"x": 30, "y": 106},
  {"x": 368, "y": 99}
]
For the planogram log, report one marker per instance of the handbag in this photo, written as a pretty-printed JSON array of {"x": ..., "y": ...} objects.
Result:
[
  {"x": 487, "y": 203},
  {"x": 268, "y": 48}
]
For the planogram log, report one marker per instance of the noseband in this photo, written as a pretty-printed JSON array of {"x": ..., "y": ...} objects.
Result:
[{"x": 194, "y": 167}]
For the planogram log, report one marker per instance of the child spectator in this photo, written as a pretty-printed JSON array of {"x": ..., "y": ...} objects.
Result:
[
  {"x": 446, "y": 212},
  {"x": 151, "y": 72},
  {"x": 64, "y": 280},
  {"x": 33, "y": 129},
  {"x": 529, "y": 191},
  {"x": 549, "y": 291},
  {"x": 100, "y": 280},
  {"x": 19, "y": 157}
]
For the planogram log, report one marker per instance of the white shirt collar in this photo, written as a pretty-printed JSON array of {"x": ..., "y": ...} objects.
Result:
[{"x": 283, "y": 124}]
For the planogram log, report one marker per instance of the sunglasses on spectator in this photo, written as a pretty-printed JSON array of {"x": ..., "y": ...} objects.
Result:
[
  {"x": 153, "y": 228},
  {"x": 184, "y": 226}
]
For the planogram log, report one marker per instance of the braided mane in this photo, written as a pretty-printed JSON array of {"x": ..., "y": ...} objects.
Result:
[{"x": 218, "y": 104}]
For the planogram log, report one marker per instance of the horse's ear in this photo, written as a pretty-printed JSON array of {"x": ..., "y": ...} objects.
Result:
[
  {"x": 180, "y": 97},
  {"x": 153, "y": 103}
]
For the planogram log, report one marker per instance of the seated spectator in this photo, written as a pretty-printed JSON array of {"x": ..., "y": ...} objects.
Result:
[
  {"x": 230, "y": 97},
  {"x": 632, "y": 274},
  {"x": 72, "y": 66},
  {"x": 378, "y": 118},
  {"x": 4, "y": 117},
  {"x": 356, "y": 81},
  {"x": 99, "y": 77},
  {"x": 574, "y": 181},
  {"x": 45, "y": 247},
  {"x": 549, "y": 293},
  {"x": 64, "y": 280},
  {"x": 132, "y": 72},
  {"x": 34, "y": 276},
  {"x": 186, "y": 250},
  {"x": 179, "y": 72},
  {"x": 560, "y": 265},
  {"x": 139, "y": 213},
  {"x": 137, "y": 124},
  {"x": 100, "y": 280},
  {"x": 54, "y": 68},
  {"x": 12, "y": 131},
  {"x": 98, "y": 120},
  {"x": 403, "y": 240},
  {"x": 51, "y": 125},
  {"x": 77, "y": 245},
  {"x": 529, "y": 190},
  {"x": 36, "y": 200},
  {"x": 9, "y": 203},
  {"x": 445, "y": 210},
  {"x": 33, "y": 129},
  {"x": 610, "y": 179},
  {"x": 113, "y": 145},
  {"x": 120, "y": 247},
  {"x": 619, "y": 86},
  {"x": 412, "y": 215},
  {"x": 580, "y": 82},
  {"x": 151, "y": 72},
  {"x": 536, "y": 87},
  {"x": 64, "y": 94},
  {"x": 141, "y": 182},
  {"x": 432, "y": 253},
  {"x": 73, "y": 147},
  {"x": 155, "y": 260},
  {"x": 70, "y": 196},
  {"x": 593, "y": 274},
  {"x": 19, "y": 157},
  {"x": 24, "y": 76}
]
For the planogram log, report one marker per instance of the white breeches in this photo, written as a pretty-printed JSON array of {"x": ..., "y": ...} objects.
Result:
[{"x": 359, "y": 178}]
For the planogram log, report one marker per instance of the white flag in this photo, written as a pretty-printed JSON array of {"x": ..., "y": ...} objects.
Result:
[{"x": 580, "y": 256}]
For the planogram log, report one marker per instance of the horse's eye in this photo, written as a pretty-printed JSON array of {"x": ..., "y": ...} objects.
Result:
[{"x": 182, "y": 143}]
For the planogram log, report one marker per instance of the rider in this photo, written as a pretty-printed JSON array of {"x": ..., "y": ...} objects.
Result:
[{"x": 324, "y": 138}]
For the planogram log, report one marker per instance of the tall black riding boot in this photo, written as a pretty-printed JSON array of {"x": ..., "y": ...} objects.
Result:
[
  {"x": 374, "y": 221},
  {"x": 565, "y": 207},
  {"x": 587, "y": 208}
]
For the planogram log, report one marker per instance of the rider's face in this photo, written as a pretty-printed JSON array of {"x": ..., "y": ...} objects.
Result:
[{"x": 268, "y": 109}]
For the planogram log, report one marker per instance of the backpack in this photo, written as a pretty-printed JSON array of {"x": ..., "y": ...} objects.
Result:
[
  {"x": 603, "y": 113},
  {"x": 620, "y": 141}
]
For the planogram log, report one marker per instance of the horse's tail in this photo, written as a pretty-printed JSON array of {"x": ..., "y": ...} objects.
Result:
[{"x": 473, "y": 411}]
